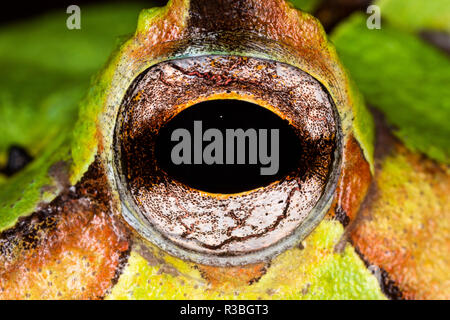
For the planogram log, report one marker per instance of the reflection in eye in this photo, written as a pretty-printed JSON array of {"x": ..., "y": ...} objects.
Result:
[{"x": 226, "y": 214}]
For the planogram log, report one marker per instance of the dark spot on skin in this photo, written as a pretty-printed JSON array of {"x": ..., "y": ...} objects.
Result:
[
  {"x": 262, "y": 272},
  {"x": 371, "y": 195},
  {"x": 18, "y": 158}
]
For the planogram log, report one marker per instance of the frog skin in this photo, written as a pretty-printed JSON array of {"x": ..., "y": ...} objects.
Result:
[{"x": 79, "y": 237}]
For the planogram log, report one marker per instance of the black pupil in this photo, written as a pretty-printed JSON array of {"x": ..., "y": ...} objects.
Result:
[{"x": 229, "y": 177}]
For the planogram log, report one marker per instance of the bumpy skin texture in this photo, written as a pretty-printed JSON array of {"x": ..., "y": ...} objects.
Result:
[
  {"x": 322, "y": 266},
  {"x": 417, "y": 15}
]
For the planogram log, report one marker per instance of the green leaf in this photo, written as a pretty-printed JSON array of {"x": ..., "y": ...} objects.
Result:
[
  {"x": 405, "y": 78},
  {"x": 416, "y": 15}
]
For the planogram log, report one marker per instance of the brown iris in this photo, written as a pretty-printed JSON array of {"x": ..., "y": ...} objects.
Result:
[{"x": 217, "y": 214}]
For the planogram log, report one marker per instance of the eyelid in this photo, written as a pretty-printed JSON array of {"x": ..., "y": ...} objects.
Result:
[{"x": 170, "y": 34}]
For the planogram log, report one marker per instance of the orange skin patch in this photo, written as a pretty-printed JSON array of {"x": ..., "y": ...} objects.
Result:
[
  {"x": 407, "y": 225},
  {"x": 70, "y": 250}
]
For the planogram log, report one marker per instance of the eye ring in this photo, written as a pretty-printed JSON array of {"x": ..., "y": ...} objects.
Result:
[{"x": 235, "y": 73}]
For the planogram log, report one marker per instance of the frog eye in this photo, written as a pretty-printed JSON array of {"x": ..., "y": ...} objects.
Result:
[{"x": 226, "y": 160}]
